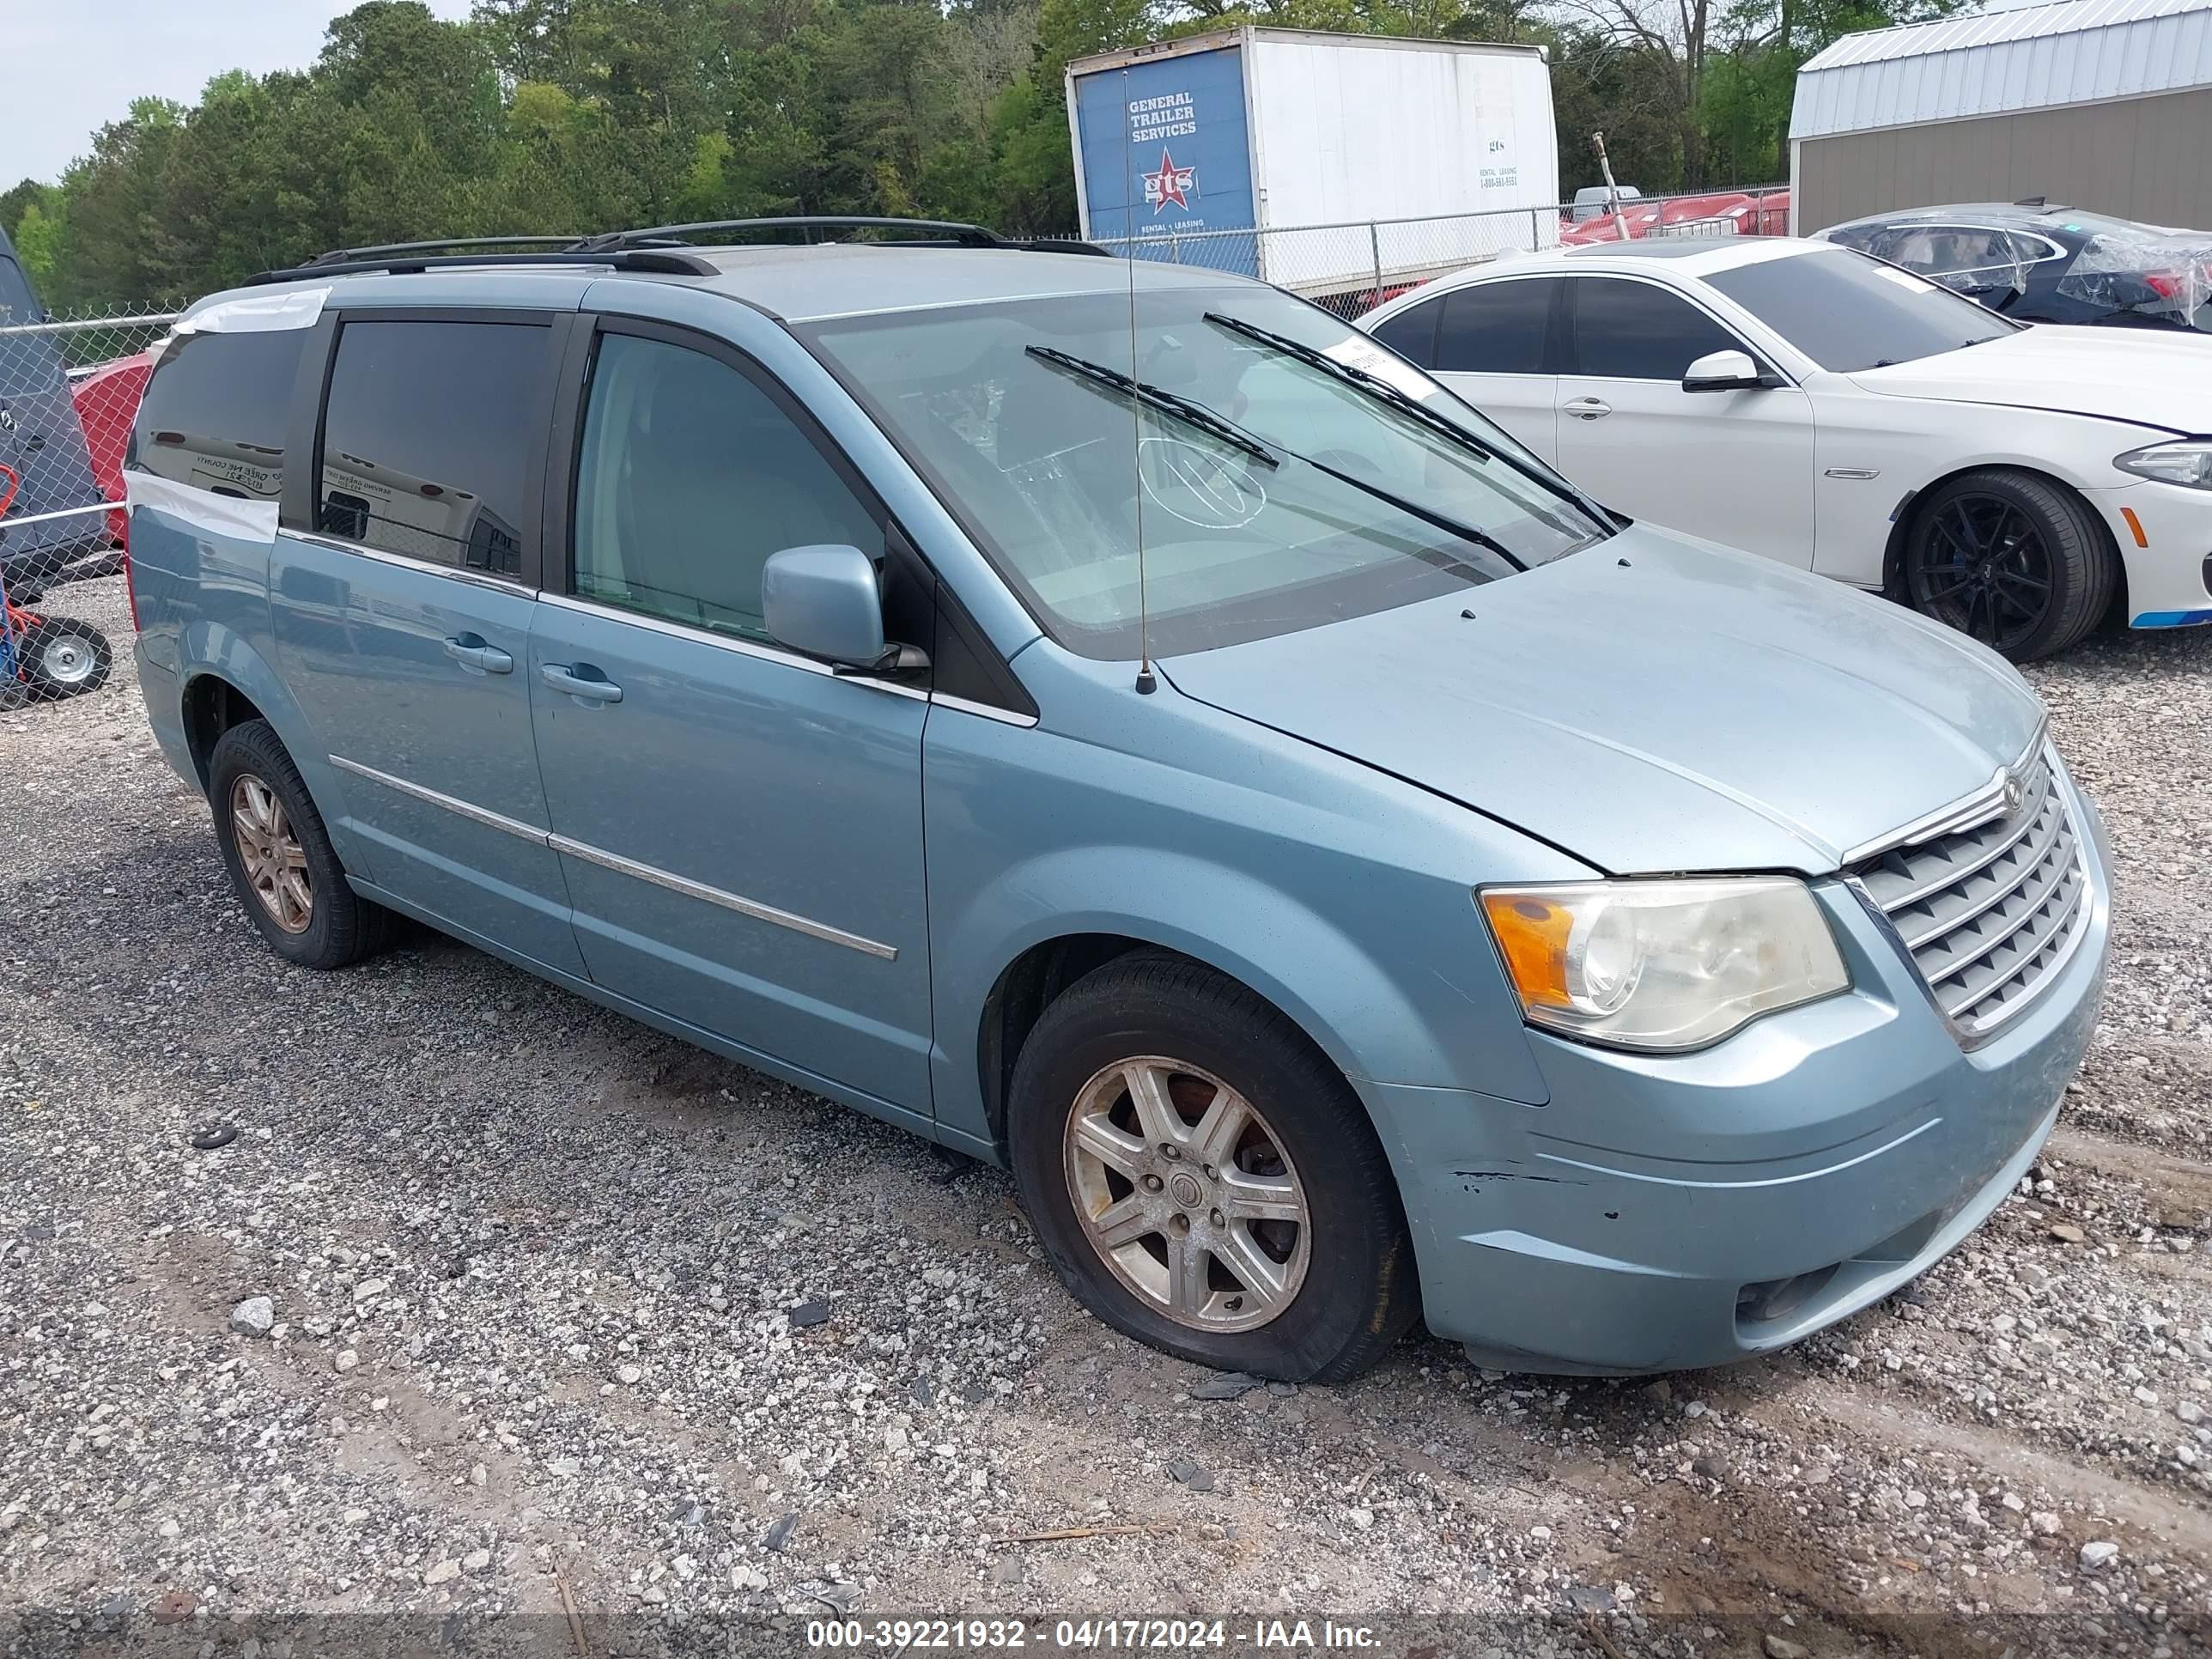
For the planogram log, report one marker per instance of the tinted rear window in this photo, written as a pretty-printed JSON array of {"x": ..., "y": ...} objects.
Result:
[
  {"x": 1846, "y": 312},
  {"x": 427, "y": 439},
  {"x": 1412, "y": 333},
  {"x": 1496, "y": 328},
  {"x": 215, "y": 412}
]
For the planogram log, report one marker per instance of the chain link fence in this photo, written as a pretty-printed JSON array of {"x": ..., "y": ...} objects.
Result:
[
  {"x": 69, "y": 392},
  {"x": 1350, "y": 268}
]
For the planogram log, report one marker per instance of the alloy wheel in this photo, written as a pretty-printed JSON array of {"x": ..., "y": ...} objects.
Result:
[
  {"x": 276, "y": 864},
  {"x": 1984, "y": 568},
  {"x": 1187, "y": 1194}
]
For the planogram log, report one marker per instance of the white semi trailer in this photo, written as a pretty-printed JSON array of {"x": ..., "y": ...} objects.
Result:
[{"x": 1324, "y": 163}]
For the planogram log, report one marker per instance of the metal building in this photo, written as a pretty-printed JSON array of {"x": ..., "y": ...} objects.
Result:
[{"x": 2104, "y": 105}]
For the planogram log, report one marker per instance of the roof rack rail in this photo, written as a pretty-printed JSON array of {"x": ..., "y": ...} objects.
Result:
[
  {"x": 665, "y": 261},
  {"x": 1065, "y": 244},
  {"x": 339, "y": 256},
  {"x": 964, "y": 235}
]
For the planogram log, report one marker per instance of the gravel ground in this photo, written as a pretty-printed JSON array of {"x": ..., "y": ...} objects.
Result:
[{"x": 529, "y": 1346}]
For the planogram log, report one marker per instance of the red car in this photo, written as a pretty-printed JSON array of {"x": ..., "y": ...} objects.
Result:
[
  {"x": 1741, "y": 212},
  {"x": 106, "y": 400}
]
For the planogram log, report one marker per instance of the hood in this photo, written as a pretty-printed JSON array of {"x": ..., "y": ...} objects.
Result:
[
  {"x": 2148, "y": 377},
  {"x": 1689, "y": 710}
]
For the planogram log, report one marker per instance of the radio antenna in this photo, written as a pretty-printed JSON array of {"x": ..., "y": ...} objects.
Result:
[{"x": 1145, "y": 683}]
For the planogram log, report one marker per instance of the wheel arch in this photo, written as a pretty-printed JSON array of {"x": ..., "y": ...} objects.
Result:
[
  {"x": 1039, "y": 976},
  {"x": 212, "y": 705},
  {"x": 1906, "y": 514}
]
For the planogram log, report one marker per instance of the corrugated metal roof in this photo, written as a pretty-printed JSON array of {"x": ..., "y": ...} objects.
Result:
[{"x": 2077, "y": 51}]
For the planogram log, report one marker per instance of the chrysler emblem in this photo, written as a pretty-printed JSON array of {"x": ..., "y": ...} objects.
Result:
[{"x": 2015, "y": 793}]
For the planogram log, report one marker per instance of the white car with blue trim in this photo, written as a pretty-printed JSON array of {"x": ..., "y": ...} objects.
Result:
[{"x": 1805, "y": 402}]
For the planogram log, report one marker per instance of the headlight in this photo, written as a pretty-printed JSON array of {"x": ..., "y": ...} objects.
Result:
[
  {"x": 2188, "y": 462},
  {"x": 1663, "y": 964}
]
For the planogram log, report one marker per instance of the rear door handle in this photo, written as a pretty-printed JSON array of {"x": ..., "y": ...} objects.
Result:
[
  {"x": 590, "y": 688},
  {"x": 1589, "y": 409},
  {"x": 471, "y": 652}
]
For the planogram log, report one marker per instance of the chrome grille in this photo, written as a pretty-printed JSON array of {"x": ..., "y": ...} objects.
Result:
[{"x": 1989, "y": 913}]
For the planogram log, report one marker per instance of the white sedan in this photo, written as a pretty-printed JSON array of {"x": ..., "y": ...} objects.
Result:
[{"x": 1805, "y": 402}]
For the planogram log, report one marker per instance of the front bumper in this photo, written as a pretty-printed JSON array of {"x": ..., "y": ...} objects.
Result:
[
  {"x": 2164, "y": 532},
  {"x": 1663, "y": 1213}
]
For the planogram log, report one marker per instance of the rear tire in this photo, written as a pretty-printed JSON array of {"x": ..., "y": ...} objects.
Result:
[
  {"x": 1166, "y": 1126},
  {"x": 63, "y": 658},
  {"x": 280, "y": 858},
  {"x": 2015, "y": 560}
]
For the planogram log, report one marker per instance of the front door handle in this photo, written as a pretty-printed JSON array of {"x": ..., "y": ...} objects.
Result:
[
  {"x": 1589, "y": 409},
  {"x": 471, "y": 652},
  {"x": 589, "y": 687}
]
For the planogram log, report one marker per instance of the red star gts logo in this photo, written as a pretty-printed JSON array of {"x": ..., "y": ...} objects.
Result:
[{"x": 1170, "y": 184}]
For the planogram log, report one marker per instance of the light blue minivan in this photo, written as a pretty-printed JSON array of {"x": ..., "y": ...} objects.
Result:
[{"x": 1118, "y": 721}]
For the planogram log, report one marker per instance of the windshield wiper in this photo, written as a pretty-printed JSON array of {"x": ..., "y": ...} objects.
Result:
[
  {"x": 1152, "y": 397},
  {"x": 1218, "y": 426},
  {"x": 1373, "y": 386},
  {"x": 1412, "y": 408},
  {"x": 1445, "y": 522}
]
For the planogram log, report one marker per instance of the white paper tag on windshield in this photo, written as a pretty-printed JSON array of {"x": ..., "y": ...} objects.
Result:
[
  {"x": 1903, "y": 279},
  {"x": 1368, "y": 358}
]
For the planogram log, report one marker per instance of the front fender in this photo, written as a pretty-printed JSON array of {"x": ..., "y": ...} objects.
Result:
[
  {"x": 1342, "y": 895},
  {"x": 1336, "y": 990}
]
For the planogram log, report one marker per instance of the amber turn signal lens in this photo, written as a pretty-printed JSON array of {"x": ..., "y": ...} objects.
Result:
[{"x": 1532, "y": 935}]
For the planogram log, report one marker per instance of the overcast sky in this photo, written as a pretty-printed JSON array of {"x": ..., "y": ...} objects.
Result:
[{"x": 69, "y": 67}]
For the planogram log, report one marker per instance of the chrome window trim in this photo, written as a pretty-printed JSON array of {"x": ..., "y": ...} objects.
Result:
[
  {"x": 1977, "y": 806},
  {"x": 616, "y": 862},
  {"x": 429, "y": 567},
  {"x": 1003, "y": 716},
  {"x": 708, "y": 637}
]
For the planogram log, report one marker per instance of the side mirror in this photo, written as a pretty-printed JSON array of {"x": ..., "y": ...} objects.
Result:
[
  {"x": 824, "y": 602},
  {"x": 1724, "y": 371}
]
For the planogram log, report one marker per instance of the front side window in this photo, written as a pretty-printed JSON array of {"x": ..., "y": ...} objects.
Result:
[
  {"x": 1496, "y": 328},
  {"x": 215, "y": 409},
  {"x": 1627, "y": 331},
  {"x": 690, "y": 477},
  {"x": 427, "y": 439},
  {"x": 1847, "y": 313},
  {"x": 1212, "y": 468}
]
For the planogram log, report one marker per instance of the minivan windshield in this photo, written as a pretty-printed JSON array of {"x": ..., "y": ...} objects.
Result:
[
  {"x": 1283, "y": 469},
  {"x": 1848, "y": 311}
]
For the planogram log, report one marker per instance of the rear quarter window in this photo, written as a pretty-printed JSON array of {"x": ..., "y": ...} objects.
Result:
[
  {"x": 428, "y": 437},
  {"x": 217, "y": 410}
]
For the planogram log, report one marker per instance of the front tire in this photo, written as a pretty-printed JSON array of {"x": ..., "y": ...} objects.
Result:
[
  {"x": 280, "y": 858},
  {"x": 2017, "y": 561},
  {"x": 1202, "y": 1179}
]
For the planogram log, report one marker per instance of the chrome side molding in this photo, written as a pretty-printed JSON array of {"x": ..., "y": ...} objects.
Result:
[{"x": 632, "y": 867}]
